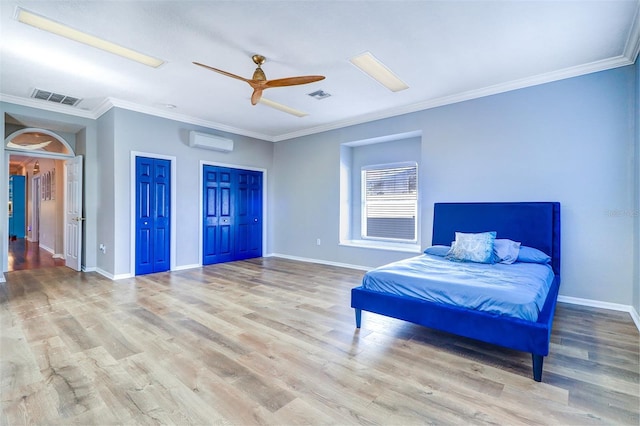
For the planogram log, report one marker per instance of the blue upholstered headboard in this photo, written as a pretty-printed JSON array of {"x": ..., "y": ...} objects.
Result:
[{"x": 535, "y": 224}]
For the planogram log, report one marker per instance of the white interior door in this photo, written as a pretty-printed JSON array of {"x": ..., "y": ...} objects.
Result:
[
  {"x": 35, "y": 210},
  {"x": 73, "y": 213}
]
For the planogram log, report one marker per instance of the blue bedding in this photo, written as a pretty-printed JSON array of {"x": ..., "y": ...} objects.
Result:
[{"x": 518, "y": 290}]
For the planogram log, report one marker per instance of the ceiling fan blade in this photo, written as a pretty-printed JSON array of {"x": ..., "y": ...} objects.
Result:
[
  {"x": 293, "y": 81},
  {"x": 255, "y": 97},
  {"x": 259, "y": 81},
  {"x": 228, "y": 74}
]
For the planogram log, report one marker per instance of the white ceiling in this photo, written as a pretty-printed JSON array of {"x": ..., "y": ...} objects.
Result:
[{"x": 446, "y": 51}]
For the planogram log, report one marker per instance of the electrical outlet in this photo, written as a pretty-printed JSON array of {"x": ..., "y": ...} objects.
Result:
[
  {"x": 103, "y": 248},
  {"x": 318, "y": 242}
]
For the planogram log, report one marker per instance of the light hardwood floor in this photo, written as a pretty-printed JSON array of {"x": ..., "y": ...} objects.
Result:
[{"x": 273, "y": 341}]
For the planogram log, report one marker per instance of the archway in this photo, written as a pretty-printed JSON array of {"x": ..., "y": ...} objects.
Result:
[
  {"x": 39, "y": 143},
  {"x": 34, "y": 157}
]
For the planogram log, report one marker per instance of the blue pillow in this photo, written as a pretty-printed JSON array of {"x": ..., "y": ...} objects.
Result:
[
  {"x": 437, "y": 250},
  {"x": 506, "y": 251},
  {"x": 473, "y": 247},
  {"x": 532, "y": 255}
]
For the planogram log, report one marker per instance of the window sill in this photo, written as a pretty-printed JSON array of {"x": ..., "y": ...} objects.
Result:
[{"x": 379, "y": 245}]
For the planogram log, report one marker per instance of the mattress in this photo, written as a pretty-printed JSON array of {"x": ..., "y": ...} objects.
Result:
[{"x": 518, "y": 290}]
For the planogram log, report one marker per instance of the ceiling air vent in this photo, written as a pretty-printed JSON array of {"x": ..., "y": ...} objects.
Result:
[
  {"x": 319, "y": 94},
  {"x": 55, "y": 97}
]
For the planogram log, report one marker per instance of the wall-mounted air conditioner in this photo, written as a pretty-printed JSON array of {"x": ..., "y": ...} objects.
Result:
[{"x": 207, "y": 141}]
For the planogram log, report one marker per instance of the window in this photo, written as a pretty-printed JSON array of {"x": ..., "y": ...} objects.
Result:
[
  {"x": 38, "y": 142},
  {"x": 369, "y": 221},
  {"x": 390, "y": 202}
]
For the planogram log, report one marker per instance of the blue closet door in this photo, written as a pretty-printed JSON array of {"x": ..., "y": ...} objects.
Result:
[
  {"x": 153, "y": 215},
  {"x": 232, "y": 214},
  {"x": 218, "y": 216},
  {"x": 249, "y": 214}
]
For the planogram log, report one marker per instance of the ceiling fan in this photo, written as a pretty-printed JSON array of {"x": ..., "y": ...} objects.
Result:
[{"x": 259, "y": 81}]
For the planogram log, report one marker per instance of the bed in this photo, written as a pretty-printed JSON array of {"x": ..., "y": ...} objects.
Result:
[{"x": 533, "y": 224}]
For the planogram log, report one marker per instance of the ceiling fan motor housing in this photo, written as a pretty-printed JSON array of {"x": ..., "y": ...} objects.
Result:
[{"x": 258, "y": 74}]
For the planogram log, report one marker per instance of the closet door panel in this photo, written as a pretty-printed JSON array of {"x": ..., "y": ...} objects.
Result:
[
  {"x": 162, "y": 215},
  {"x": 217, "y": 216}
]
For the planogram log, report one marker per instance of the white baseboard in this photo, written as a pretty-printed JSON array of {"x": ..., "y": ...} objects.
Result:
[
  {"x": 594, "y": 303},
  {"x": 91, "y": 269},
  {"x": 47, "y": 248},
  {"x": 104, "y": 273},
  {"x": 52, "y": 251},
  {"x": 111, "y": 276},
  {"x": 122, "y": 276},
  {"x": 321, "y": 262},
  {"x": 2, "y": 279},
  {"x": 635, "y": 317},
  {"x": 130, "y": 275},
  {"x": 603, "y": 305},
  {"x": 184, "y": 267}
]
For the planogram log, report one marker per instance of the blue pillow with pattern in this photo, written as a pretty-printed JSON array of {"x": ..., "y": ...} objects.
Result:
[{"x": 473, "y": 247}]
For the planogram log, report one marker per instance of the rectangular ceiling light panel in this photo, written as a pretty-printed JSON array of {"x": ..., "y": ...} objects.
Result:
[
  {"x": 62, "y": 30},
  {"x": 282, "y": 108},
  {"x": 378, "y": 71}
]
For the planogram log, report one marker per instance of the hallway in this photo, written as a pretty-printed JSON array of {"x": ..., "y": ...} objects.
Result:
[{"x": 27, "y": 255}]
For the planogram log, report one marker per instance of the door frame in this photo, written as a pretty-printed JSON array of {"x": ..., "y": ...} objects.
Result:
[
  {"x": 4, "y": 182},
  {"x": 201, "y": 201},
  {"x": 4, "y": 197},
  {"x": 132, "y": 209}
]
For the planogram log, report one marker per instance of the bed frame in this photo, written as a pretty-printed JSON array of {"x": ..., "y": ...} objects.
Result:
[{"x": 535, "y": 224}]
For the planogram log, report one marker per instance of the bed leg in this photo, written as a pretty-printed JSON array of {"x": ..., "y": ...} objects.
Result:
[
  {"x": 537, "y": 367},
  {"x": 358, "y": 317}
]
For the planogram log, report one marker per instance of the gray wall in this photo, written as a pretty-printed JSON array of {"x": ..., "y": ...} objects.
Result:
[
  {"x": 567, "y": 141},
  {"x": 133, "y": 131},
  {"x": 90, "y": 193},
  {"x": 105, "y": 204},
  {"x": 636, "y": 286},
  {"x": 51, "y": 231}
]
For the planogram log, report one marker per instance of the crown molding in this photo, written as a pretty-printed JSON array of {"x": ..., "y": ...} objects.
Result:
[
  {"x": 632, "y": 47},
  {"x": 550, "y": 77},
  {"x": 631, "y": 52},
  {"x": 102, "y": 108},
  {"x": 47, "y": 106},
  {"x": 109, "y": 103},
  {"x": 132, "y": 106}
]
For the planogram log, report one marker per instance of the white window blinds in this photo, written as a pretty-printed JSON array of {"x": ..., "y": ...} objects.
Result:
[{"x": 390, "y": 202}]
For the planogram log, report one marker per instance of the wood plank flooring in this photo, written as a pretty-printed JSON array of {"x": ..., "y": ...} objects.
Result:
[
  {"x": 24, "y": 254},
  {"x": 273, "y": 341}
]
